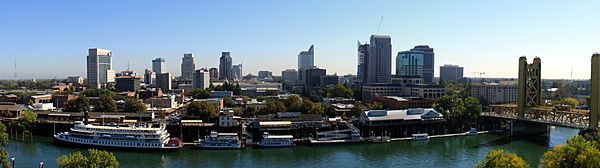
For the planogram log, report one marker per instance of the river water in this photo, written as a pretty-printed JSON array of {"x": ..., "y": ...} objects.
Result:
[{"x": 463, "y": 151}]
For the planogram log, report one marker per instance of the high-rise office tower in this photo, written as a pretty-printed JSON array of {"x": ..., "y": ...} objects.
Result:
[
  {"x": 306, "y": 59},
  {"x": 159, "y": 67},
  {"x": 237, "y": 72},
  {"x": 363, "y": 60},
  {"x": 225, "y": 66},
  {"x": 451, "y": 73},
  {"x": 201, "y": 79},
  {"x": 149, "y": 77},
  {"x": 428, "y": 62},
  {"x": 214, "y": 73},
  {"x": 99, "y": 68},
  {"x": 409, "y": 64},
  {"x": 188, "y": 65},
  {"x": 379, "y": 66},
  {"x": 166, "y": 81}
]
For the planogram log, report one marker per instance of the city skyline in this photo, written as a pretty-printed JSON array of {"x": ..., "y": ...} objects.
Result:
[{"x": 41, "y": 39}]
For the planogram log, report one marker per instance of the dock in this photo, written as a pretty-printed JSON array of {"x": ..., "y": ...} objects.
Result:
[
  {"x": 189, "y": 144},
  {"x": 441, "y": 136}
]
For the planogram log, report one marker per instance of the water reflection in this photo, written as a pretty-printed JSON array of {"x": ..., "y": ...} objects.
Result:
[{"x": 447, "y": 152}]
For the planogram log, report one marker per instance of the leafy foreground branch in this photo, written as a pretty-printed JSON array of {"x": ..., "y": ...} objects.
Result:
[
  {"x": 96, "y": 159},
  {"x": 580, "y": 151},
  {"x": 501, "y": 159}
]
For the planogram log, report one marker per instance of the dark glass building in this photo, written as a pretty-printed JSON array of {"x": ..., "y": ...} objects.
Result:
[{"x": 428, "y": 62}]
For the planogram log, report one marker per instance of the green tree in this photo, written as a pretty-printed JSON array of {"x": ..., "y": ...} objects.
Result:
[
  {"x": 105, "y": 104},
  {"x": 501, "y": 159},
  {"x": 356, "y": 110},
  {"x": 294, "y": 104},
  {"x": 201, "y": 93},
  {"x": 272, "y": 107},
  {"x": 472, "y": 109},
  {"x": 453, "y": 109},
  {"x": 375, "y": 106},
  {"x": 578, "y": 152},
  {"x": 3, "y": 142},
  {"x": 134, "y": 105},
  {"x": 238, "y": 112},
  {"x": 27, "y": 119},
  {"x": 250, "y": 111},
  {"x": 570, "y": 101},
  {"x": 237, "y": 90},
  {"x": 316, "y": 108},
  {"x": 5, "y": 114},
  {"x": 342, "y": 91},
  {"x": 96, "y": 159},
  {"x": 80, "y": 104},
  {"x": 280, "y": 106},
  {"x": 228, "y": 102},
  {"x": 201, "y": 109}
]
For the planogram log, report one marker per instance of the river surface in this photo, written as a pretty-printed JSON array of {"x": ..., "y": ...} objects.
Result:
[{"x": 463, "y": 151}]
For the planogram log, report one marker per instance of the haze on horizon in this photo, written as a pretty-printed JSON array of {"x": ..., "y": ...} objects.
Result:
[{"x": 50, "y": 39}]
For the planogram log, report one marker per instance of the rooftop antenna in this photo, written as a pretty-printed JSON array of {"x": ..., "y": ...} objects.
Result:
[
  {"x": 15, "y": 66},
  {"x": 571, "y": 73},
  {"x": 379, "y": 28},
  {"x": 127, "y": 65}
]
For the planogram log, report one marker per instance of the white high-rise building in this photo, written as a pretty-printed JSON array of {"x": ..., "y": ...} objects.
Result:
[
  {"x": 149, "y": 77},
  {"x": 379, "y": 66},
  {"x": 188, "y": 65},
  {"x": 306, "y": 59},
  {"x": 99, "y": 68},
  {"x": 237, "y": 72},
  {"x": 201, "y": 79}
]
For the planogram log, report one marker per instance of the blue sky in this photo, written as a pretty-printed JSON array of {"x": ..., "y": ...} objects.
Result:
[{"x": 50, "y": 38}]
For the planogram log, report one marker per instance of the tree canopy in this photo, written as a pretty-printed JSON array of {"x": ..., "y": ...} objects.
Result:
[
  {"x": 201, "y": 93},
  {"x": 105, "y": 104},
  {"x": 570, "y": 101},
  {"x": 201, "y": 110},
  {"x": 4, "y": 140},
  {"x": 501, "y": 159},
  {"x": 338, "y": 91},
  {"x": 375, "y": 106},
  {"x": 578, "y": 152},
  {"x": 95, "y": 159},
  {"x": 228, "y": 102},
  {"x": 80, "y": 104},
  {"x": 134, "y": 105},
  {"x": 27, "y": 119}
]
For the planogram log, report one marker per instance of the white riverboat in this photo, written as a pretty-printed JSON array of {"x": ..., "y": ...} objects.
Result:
[
  {"x": 275, "y": 141},
  {"x": 151, "y": 137},
  {"x": 220, "y": 141},
  {"x": 420, "y": 137}
]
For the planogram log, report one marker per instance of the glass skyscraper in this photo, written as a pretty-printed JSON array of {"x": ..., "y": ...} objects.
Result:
[
  {"x": 225, "y": 66},
  {"x": 428, "y": 62},
  {"x": 410, "y": 64}
]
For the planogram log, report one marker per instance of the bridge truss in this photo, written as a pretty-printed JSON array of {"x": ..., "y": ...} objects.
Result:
[{"x": 557, "y": 116}]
